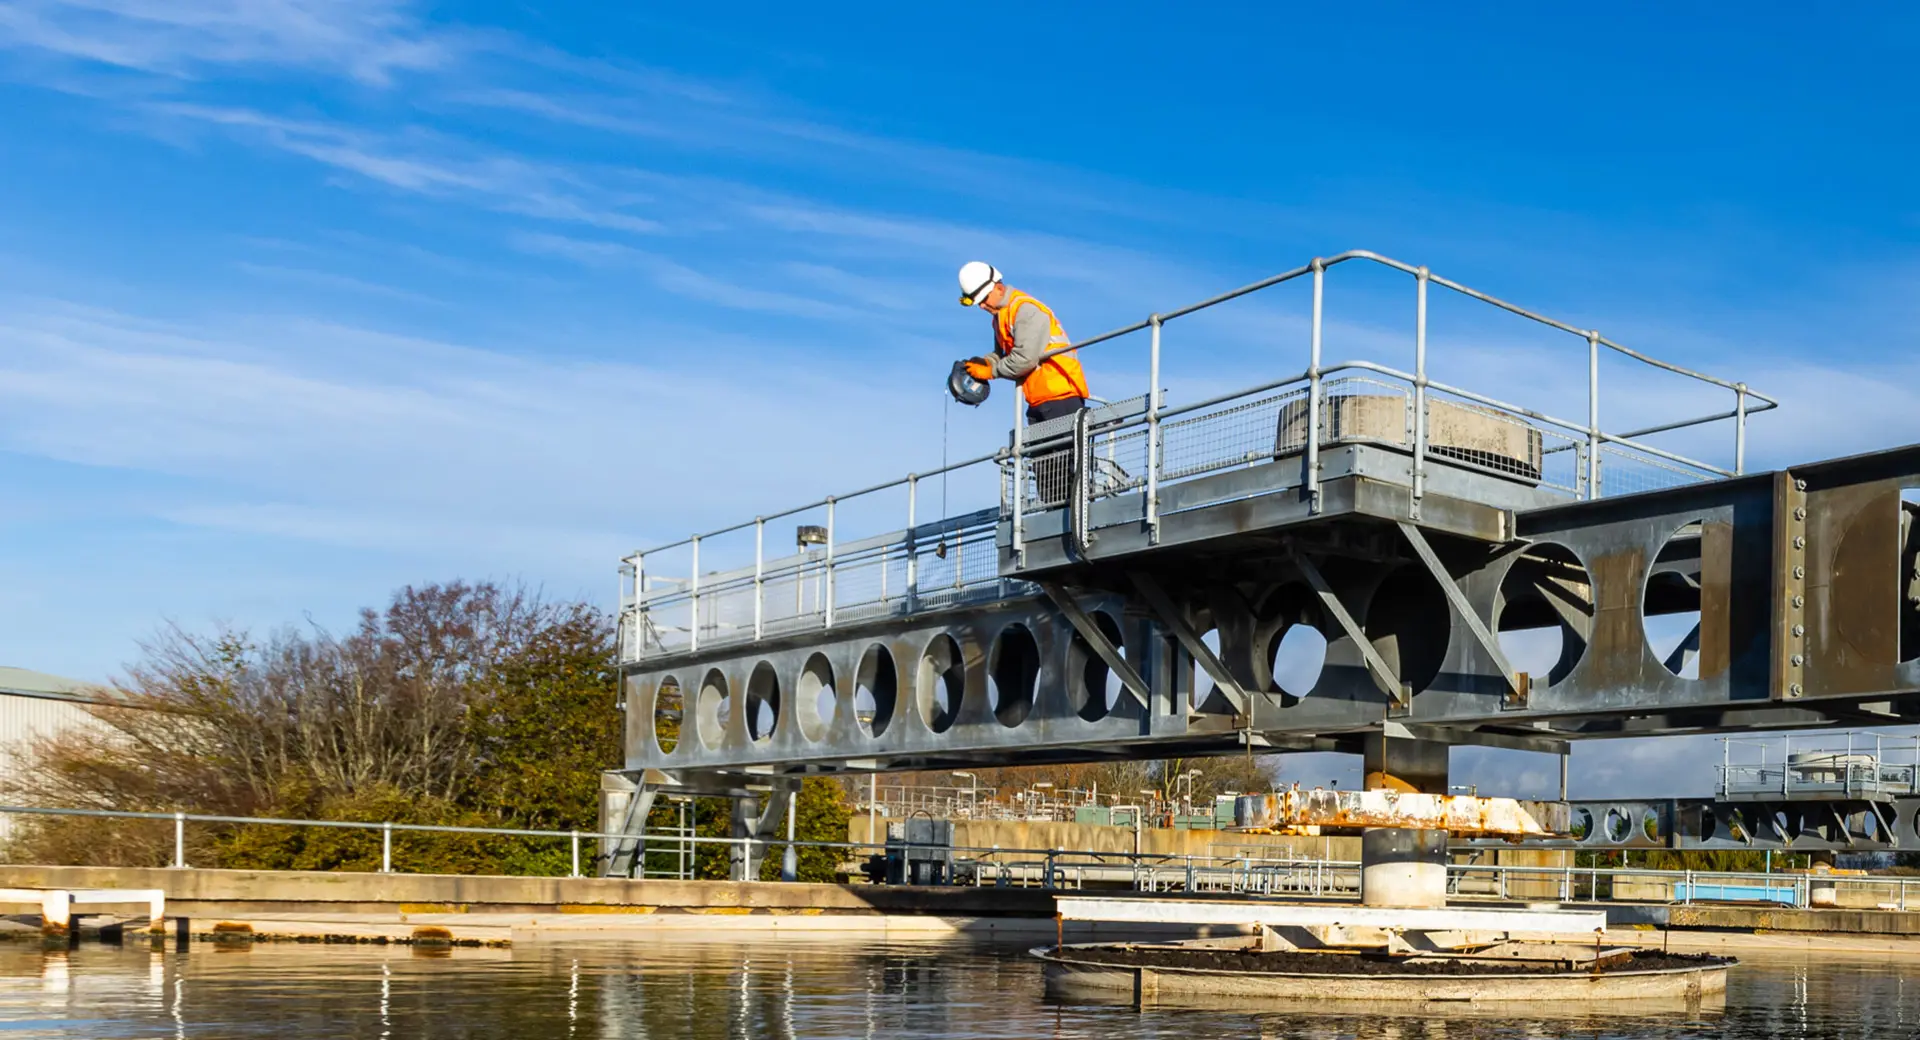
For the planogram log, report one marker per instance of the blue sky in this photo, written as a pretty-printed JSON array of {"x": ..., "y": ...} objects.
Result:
[{"x": 301, "y": 300}]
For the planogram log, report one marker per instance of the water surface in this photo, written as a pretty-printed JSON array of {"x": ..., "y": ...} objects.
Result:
[{"x": 941, "y": 991}]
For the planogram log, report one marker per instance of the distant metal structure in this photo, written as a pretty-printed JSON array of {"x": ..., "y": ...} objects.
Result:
[
  {"x": 1845, "y": 792},
  {"x": 1849, "y": 767},
  {"x": 36, "y": 706},
  {"x": 1121, "y": 583}
]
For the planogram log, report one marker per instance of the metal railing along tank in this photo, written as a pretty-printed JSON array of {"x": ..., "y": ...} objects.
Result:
[
  {"x": 1150, "y": 871},
  {"x": 1831, "y": 767},
  {"x": 878, "y": 567}
]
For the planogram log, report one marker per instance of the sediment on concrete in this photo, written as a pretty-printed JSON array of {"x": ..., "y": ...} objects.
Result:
[{"x": 1118, "y": 969}]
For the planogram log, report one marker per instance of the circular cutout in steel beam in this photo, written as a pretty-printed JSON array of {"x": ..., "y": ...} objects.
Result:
[
  {"x": 1410, "y": 625},
  {"x": 941, "y": 683},
  {"x": 1013, "y": 671},
  {"x": 1580, "y": 824},
  {"x": 1705, "y": 824},
  {"x": 1618, "y": 826},
  {"x": 763, "y": 702},
  {"x": 1297, "y": 659},
  {"x": 816, "y": 702},
  {"x": 669, "y": 713},
  {"x": 1543, "y": 614},
  {"x": 876, "y": 685},
  {"x": 1203, "y": 682},
  {"x": 1096, "y": 689},
  {"x": 714, "y": 711},
  {"x": 1670, "y": 603},
  {"x": 1737, "y": 828}
]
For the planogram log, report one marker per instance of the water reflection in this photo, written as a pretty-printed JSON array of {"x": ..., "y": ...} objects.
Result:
[{"x": 783, "y": 991}]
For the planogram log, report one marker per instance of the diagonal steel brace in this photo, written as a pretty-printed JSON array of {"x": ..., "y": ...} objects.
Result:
[
  {"x": 1460, "y": 606},
  {"x": 1382, "y": 672},
  {"x": 1170, "y": 616},
  {"x": 626, "y": 855},
  {"x": 1101, "y": 645}
]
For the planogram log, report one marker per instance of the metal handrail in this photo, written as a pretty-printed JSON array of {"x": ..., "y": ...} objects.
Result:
[
  {"x": 1014, "y": 466},
  {"x": 1265, "y": 283},
  {"x": 1242, "y": 871}
]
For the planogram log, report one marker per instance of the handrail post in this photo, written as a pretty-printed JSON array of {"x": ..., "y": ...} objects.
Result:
[
  {"x": 386, "y": 848},
  {"x": 1419, "y": 390},
  {"x": 1314, "y": 388},
  {"x": 913, "y": 548},
  {"x": 693, "y": 626},
  {"x": 180, "y": 841},
  {"x": 639, "y": 605},
  {"x": 759, "y": 575},
  {"x": 826, "y": 608},
  {"x": 1593, "y": 414},
  {"x": 1739, "y": 428},
  {"x": 790, "y": 858},
  {"x": 576, "y": 853},
  {"x": 1786, "y": 756},
  {"x": 1153, "y": 433},
  {"x": 1019, "y": 536}
]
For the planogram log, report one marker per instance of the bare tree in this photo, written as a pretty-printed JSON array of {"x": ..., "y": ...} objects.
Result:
[{"x": 402, "y": 710}]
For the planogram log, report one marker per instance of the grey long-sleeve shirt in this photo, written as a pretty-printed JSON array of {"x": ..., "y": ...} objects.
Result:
[{"x": 1032, "y": 333}]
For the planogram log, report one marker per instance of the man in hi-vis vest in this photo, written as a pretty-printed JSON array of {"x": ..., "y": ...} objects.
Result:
[{"x": 1023, "y": 330}]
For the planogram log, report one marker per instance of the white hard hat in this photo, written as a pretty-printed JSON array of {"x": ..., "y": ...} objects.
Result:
[{"x": 977, "y": 278}]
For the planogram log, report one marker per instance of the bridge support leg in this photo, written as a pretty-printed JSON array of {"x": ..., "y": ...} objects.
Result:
[
  {"x": 1404, "y": 866},
  {"x": 759, "y": 820},
  {"x": 624, "y": 807},
  {"x": 743, "y": 860}
]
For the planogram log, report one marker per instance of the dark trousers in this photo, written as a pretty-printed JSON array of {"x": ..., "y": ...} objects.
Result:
[
  {"x": 1039, "y": 413},
  {"x": 1053, "y": 471}
]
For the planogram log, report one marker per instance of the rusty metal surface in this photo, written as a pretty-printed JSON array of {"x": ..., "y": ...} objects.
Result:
[{"x": 1322, "y": 811}]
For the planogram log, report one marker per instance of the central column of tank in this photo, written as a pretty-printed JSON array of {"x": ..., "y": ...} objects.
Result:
[{"x": 1404, "y": 866}]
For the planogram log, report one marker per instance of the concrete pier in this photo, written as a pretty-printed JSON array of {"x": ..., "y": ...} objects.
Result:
[{"x": 1404, "y": 866}]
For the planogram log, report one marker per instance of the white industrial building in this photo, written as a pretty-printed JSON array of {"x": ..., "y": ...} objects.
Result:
[{"x": 34, "y": 704}]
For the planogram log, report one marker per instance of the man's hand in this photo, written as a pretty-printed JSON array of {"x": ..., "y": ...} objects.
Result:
[{"x": 980, "y": 368}]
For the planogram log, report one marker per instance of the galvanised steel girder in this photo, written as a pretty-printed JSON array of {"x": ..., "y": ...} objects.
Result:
[
  {"x": 1703, "y": 823},
  {"x": 912, "y": 724},
  {"x": 1594, "y": 570}
]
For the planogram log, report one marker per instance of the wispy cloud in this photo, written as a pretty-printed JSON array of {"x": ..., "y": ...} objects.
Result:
[
  {"x": 330, "y": 280},
  {"x": 287, "y": 423},
  {"x": 432, "y": 164},
  {"x": 684, "y": 281},
  {"x": 371, "y": 41},
  {"x": 673, "y": 111}
]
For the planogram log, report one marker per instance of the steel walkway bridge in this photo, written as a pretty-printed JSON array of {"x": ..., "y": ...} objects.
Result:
[{"x": 1130, "y": 582}]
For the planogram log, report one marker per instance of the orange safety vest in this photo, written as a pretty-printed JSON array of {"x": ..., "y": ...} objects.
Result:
[{"x": 1055, "y": 378}]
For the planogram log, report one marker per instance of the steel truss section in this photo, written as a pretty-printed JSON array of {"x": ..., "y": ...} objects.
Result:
[
  {"x": 1190, "y": 629},
  {"x": 1703, "y": 823}
]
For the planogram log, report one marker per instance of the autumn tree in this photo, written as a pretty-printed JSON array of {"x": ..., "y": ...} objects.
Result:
[{"x": 467, "y": 704}]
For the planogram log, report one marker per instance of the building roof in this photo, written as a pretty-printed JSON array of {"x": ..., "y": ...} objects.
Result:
[{"x": 21, "y": 682}]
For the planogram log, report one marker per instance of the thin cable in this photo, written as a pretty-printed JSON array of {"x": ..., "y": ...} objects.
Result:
[{"x": 945, "y": 410}]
